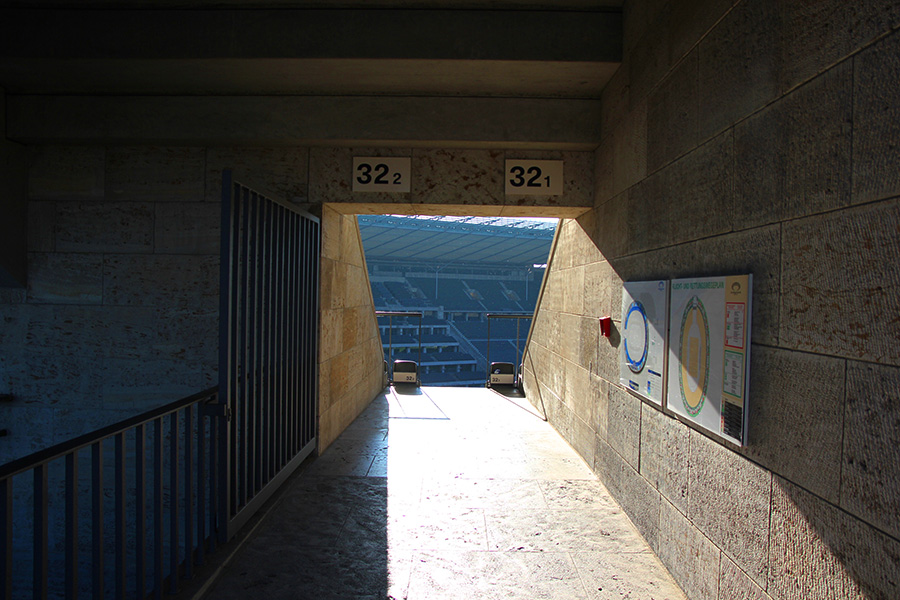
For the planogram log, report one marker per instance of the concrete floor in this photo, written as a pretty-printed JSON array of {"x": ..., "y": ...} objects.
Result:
[{"x": 444, "y": 493}]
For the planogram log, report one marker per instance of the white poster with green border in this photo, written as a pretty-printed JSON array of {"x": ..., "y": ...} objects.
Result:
[{"x": 709, "y": 353}]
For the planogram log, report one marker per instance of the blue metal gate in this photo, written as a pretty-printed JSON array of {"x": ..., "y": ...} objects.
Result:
[{"x": 268, "y": 349}]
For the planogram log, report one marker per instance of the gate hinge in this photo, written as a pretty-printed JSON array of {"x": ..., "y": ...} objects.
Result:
[{"x": 217, "y": 409}]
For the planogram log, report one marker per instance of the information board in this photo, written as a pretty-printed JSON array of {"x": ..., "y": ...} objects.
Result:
[
  {"x": 642, "y": 353},
  {"x": 709, "y": 353}
]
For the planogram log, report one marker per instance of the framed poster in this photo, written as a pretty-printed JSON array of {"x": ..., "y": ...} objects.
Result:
[
  {"x": 642, "y": 351},
  {"x": 709, "y": 353}
]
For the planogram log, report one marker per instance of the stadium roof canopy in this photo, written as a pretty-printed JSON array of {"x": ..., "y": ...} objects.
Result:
[{"x": 444, "y": 240}]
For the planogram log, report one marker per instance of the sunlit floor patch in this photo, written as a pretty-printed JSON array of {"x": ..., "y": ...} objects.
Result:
[{"x": 483, "y": 501}]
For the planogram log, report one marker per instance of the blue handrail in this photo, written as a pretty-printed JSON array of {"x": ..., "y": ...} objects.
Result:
[{"x": 182, "y": 524}]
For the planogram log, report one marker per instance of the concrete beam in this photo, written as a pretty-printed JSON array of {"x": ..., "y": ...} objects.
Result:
[
  {"x": 579, "y": 36},
  {"x": 267, "y": 120}
]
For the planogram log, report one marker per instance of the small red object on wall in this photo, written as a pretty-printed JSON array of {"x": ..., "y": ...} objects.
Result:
[{"x": 605, "y": 326}]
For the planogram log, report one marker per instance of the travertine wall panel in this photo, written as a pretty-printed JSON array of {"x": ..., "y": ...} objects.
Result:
[
  {"x": 870, "y": 476},
  {"x": 665, "y": 456},
  {"x": 739, "y": 65},
  {"x": 458, "y": 177},
  {"x": 818, "y": 551},
  {"x": 689, "y": 20},
  {"x": 41, "y": 226},
  {"x": 729, "y": 499},
  {"x": 672, "y": 115},
  {"x": 735, "y": 585},
  {"x": 691, "y": 558},
  {"x": 350, "y": 355},
  {"x": 65, "y": 278},
  {"x": 639, "y": 499},
  {"x": 797, "y": 420},
  {"x": 840, "y": 281},
  {"x": 67, "y": 173},
  {"x": 876, "y": 117},
  {"x": 816, "y": 35},
  {"x": 623, "y": 427},
  {"x": 283, "y": 172},
  {"x": 187, "y": 228},
  {"x": 155, "y": 174},
  {"x": 104, "y": 227},
  {"x": 793, "y": 158},
  {"x": 791, "y": 175}
]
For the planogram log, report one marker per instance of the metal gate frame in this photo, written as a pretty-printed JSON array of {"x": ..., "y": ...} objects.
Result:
[{"x": 268, "y": 348}]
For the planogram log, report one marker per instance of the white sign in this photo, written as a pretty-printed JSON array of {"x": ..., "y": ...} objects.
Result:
[
  {"x": 534, "y": 177},
  {"x": 381, "y": 174},
  {"x": 642, "y": 352},
  {"x": 709, "y": 353}
]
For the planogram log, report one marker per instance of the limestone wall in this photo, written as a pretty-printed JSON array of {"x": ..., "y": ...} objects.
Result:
[
  {"x": 350, "y": 354},
  {"x": 120, "y": 313},
  {"x": 762, "y": 137}
]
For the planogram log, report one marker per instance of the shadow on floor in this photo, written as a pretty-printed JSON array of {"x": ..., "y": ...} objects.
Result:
[{"x": 447, "y": 494}]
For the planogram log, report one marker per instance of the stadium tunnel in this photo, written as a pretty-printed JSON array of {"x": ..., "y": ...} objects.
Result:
[{"x": 697, "y": 139}]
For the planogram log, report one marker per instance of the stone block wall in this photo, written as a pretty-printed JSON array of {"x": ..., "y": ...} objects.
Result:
[
  {"x": 120, "y": 313},
  {"x": 350, "y": 354},
  {"x": 752, "y": 136},
  {"x": 121, "y": 309}
]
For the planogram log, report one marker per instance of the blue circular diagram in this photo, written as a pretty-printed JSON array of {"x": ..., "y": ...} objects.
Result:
[{"x": 636, "y": 337}]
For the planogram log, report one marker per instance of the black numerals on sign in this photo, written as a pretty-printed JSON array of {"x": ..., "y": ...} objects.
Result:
[
  {"x": 382, "y": 174},
  {"x": 533, "y": 177}
]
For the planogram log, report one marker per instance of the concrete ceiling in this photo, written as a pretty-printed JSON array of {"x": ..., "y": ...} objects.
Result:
[{"x": 53, "y": 54}]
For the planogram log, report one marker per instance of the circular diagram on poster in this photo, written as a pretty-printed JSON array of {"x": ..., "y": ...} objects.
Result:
[
  {"x": 636, "y": 337},
  {"x": 693, "y": 348}
]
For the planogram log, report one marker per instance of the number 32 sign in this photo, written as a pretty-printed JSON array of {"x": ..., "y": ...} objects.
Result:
[
  {"x": 381, "y": 174},
  {"x": 534, "y": 177}
]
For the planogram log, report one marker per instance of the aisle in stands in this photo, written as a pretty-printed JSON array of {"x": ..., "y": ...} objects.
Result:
[{"x": 456, "y": 271}]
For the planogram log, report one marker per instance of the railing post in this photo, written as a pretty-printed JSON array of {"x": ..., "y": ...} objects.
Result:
[
  {"x": 39, "y": 566},
  {"x": 6, "y": 531},
  {"x": 97, "y": 517},
  {"x": 140, "y": 509},
  {"x": 71, "y": 551},
  {"x": 121, "y": 576}
]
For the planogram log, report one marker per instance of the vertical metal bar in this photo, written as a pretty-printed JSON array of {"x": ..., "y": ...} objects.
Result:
[
  {"x": 218, "y": 507},
  {"x": 265, "y": 463},
  {"x": 419, "y": 358},
  {"x": 227, "y": 299},
  {"x": 97, "y": 518},
  {"x": 71, "y": 554},
  {"x": 173, "y": 503},
  {"x": 489, "y": 352},
  {"x": 259, "y": 409},
  {"x": 39, "y": 566},
  {"x": 294, "y": 364},
  {"x": 6, "y": 537},
  {"x": 121, "y": 544},
  {"x": 189, "y": 492},
  {"x": 314, "y": 326},
  {"x": 253, "y": 366},
  {"x": 202, "y": 440},
  {"x": 280, "y": 274},
  {"x": 158, "y": 507},
  {"x": 301, "y": 337},
  {"x": 302, "y": 299},
  {"x": 239, "y": 398},
  {"x": 516, "y": 365},
  {"x": 277, "y": 354},
  {"x": 140, "y": 510}
]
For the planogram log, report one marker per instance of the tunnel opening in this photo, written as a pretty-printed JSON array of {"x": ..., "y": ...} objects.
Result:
[{"x": 459, "y": 273}]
